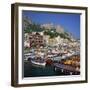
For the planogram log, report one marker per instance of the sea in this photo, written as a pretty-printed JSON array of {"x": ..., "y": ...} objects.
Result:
[{"x": 31, "y": 70}]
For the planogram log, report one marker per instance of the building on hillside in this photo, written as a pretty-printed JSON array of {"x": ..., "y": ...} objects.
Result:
[
  {"x": 26, "y": 40},
  {"x": 36, "y": 40},
  {"x": 59, "y": 29},
  {"x": 47, "y": 26}
]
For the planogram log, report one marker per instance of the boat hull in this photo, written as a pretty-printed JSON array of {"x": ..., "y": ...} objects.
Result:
[{"x": 38, "y": 63}]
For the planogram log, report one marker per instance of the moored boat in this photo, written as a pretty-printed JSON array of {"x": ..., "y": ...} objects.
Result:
[{"x": 40, "y": 63}]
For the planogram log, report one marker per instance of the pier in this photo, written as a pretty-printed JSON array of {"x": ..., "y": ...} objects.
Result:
[{"x": 66, "y": 68}]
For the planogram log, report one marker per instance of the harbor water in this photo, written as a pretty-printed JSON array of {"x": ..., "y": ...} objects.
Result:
[{"x": 31, "y": 70}]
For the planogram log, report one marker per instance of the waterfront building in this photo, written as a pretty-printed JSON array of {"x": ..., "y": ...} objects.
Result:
[
  {"x": 26, "y": 40},
  {"x": 36, "y": 40}
]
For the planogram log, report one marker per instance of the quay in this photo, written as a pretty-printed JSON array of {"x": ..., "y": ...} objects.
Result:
[{"x": 66, "y": 68}]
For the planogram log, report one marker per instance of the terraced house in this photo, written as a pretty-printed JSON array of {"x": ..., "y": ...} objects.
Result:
[{"x": 36, "y": 40}]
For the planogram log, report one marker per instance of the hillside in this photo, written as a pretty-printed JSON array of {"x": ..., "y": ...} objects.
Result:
[{"x": 47, "y": 29}]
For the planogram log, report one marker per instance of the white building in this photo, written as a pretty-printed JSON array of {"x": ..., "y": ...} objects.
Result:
[{"x": 26, "y": 40}]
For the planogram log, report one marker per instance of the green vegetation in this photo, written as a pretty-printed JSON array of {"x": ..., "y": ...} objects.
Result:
[
  {"x": 28, "y": 30},
  {"x": 51, "y": 33},
  {"x": 54, "y": 34},
  {"x": 26, "y": 49},
  {"x": 33, "y": 28},
  {"x": 66, "y": 33}
]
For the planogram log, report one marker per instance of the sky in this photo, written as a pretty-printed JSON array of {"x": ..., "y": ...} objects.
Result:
[{"x": 69, "y": 21}]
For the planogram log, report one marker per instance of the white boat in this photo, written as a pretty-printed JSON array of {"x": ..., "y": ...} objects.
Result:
[
  {"x": 55, "y": 51},
  {"x": 57, "y": 58},
  {"x": 69, "y": 54},
  {"x": 50, "y": 55},
  {"x": 38, "y": 63},
  {"x": 29, "y": 55},
  {"x": 38, "y": 59},
  {"x": 64, "y": 57}
]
